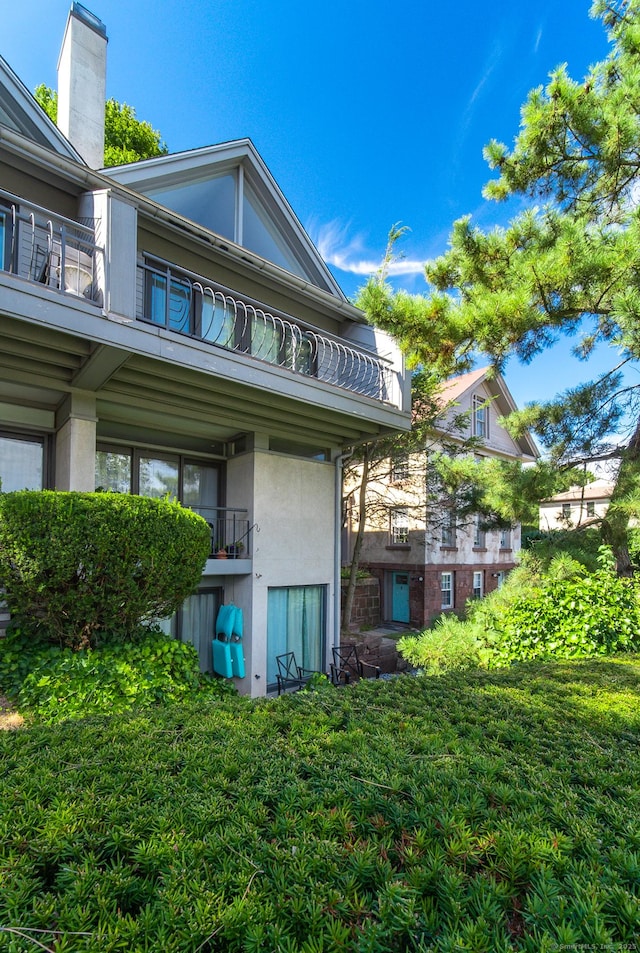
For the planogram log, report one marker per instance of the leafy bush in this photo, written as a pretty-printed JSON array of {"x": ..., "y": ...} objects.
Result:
[
  {"x": 487, "y": 811},
  {"x": 450, "y": 645},
  {"x": 51, "y": 683},
  {"x": 595, "y": 614},
  {"x": 81, "y": 569}
]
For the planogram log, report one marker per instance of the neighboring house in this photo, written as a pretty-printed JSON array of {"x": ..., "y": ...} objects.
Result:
[
  {"x": 168, "y": 327},
  {"x": 426, "y": 560},
  {"x": 577, "y": 506}
]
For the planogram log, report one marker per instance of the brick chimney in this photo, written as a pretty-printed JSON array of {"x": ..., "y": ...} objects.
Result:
[{"x": 82, "y": 83}]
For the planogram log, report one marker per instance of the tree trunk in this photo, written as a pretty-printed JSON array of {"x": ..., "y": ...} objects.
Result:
[{"x": 357, "y": 547}]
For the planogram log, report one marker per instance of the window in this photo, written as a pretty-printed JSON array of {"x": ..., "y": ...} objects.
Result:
[
  {"x": 479, "y": 535},
  {"x": 505, "y": 539},
  {"x": 400, "y": 468},
  {"x": 480, "y": 415},
  {"x": 478, "y": 584},
  {"x": 172, "y": 310},
  {"x": 591, "y": 508},
  {"x": 194, "y": 622},
  {"x": 5, "y": 225},
  {"x": 566, "y": 511},
  {"x": 500, "y": 577},
  {"x": 448, "y": 534},
  {"x": 296, "y": 623},
  {"x": 22, "y": 462},
  {"x": 399, "y": 525},
  {"x": 123, "y": 470},
  {"x": 446, "y": 590}
]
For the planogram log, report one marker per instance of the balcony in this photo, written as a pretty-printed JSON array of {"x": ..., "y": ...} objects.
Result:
[
  {"x": 66, "y": 257},
  {"x": 49, "y": 249},
  {"x": 230, "y": 539},
  {"x": 189, "y": 304}
]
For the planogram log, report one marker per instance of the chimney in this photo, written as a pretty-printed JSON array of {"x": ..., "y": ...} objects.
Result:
[{"x": 82, "y": 83}]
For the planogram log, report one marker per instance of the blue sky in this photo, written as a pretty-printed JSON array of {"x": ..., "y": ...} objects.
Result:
[{"x": 367, "y": 114}]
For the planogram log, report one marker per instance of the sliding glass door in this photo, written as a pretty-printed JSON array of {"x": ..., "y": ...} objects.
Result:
[{"x": 296, "y": 623}]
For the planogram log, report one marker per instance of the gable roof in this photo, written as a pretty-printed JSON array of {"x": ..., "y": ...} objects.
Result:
[
  {"x": 163, "y": 178},
  {"x": 596, "y": 490},
  {"x": 453, "y": 390},
  {"x": 20, "y": 112}
]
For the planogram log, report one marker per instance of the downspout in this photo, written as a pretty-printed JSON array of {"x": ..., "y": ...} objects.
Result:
[{"x": 337, "y": 565}]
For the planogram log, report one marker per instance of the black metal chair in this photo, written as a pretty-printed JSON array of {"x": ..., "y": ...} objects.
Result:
[
  {"x": 290, "y": 675},
  {"x": 347, "y": 666}
]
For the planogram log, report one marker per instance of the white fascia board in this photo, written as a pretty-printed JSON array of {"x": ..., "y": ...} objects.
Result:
[{"x": 35, "y": 114}]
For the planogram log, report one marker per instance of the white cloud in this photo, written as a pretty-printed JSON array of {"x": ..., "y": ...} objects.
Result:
[{"x": 349, "y": 254}]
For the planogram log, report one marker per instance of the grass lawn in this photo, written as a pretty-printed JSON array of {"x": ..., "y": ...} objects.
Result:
[{"x": 483, "y": 812}]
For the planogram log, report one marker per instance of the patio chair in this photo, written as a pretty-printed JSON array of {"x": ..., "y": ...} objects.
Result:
[
  {"x": 347, "y": 666},
  {"x": 290, "y": 675}
]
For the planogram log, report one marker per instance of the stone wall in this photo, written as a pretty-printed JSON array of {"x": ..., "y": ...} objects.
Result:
[{"x": 366, "y": 603}]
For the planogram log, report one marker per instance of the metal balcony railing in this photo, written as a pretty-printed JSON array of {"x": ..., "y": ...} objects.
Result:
[
  {"x": 49, "y": 249},
  {"x": 189, "y": 304},
  {"x": 230, "y": 531}
]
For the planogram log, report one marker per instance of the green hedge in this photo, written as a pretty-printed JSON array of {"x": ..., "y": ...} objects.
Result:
[
  {"x": 597, "y": 614},
  {"x": 81, "y": 569}
]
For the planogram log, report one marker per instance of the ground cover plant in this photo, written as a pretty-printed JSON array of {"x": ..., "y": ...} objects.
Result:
[
  {"x": 483, "y": 811},
  {"x": 49, "y": 683}
]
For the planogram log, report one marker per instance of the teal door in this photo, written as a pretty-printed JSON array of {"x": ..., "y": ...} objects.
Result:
[{"x": 400, "y": 597}]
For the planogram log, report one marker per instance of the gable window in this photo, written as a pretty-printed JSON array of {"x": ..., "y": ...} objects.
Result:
[
  {"x": 448, "y": 531},
  {"x": 480, "y": 416},
  {"x": 446, "y": 590},
  {"x": 478, "y": 584},
  {"x": 399, "y": 525}
]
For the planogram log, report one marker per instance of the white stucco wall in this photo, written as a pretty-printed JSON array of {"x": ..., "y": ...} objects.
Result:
[{"x": 293, "y": 510}]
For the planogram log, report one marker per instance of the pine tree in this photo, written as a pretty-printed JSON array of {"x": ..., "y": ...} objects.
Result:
[{"x": 569, "y": 264}]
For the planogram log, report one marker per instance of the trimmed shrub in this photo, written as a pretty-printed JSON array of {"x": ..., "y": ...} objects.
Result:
[
  {"x": 51, "y": 683},
  {"x": 82, "y": 569}
]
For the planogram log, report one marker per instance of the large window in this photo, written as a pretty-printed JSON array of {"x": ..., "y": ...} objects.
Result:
[
  {"x": 448, "y": 532},
  {"x": 478, "y": 584},
  {"x": 446, "y": 590},
  {"x": 480, "y": 414},
  {"x": 22, "y": 462},
  {"x": 479, "y": 534},
  {"x": 194, "y": 622},
  {"x": 169, "y": 302},
  {"x": 400, "y": 468},
  {"x": 124, "y": 470},
  {"x": 399, "y": 525},
  {"x": 505, "y": 539},
  {"x": 296, "y": 623}
]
